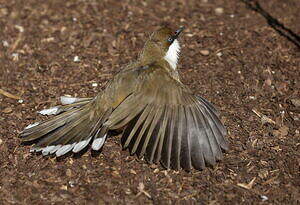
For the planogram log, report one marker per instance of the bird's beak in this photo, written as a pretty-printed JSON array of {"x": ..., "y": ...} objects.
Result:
[{"x": 178, "y": 32}]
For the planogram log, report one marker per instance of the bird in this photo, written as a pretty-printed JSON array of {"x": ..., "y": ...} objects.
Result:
[{"x": 158, "y": 117}]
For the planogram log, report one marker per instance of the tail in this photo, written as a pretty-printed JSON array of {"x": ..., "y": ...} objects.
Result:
[{"x": 75, "y": 125}]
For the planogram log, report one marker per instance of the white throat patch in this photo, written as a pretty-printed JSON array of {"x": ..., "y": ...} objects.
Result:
[{"x": 173, "y": 54}]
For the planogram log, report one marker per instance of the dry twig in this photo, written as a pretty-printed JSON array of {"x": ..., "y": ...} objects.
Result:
[{"x": 9, "y": 95}]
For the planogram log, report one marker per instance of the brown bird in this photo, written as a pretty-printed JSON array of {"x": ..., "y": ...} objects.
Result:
[{"x": 160, "y": 118}]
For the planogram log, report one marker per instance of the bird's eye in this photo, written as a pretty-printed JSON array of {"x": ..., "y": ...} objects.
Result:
[{"x": 170, "y": 40}]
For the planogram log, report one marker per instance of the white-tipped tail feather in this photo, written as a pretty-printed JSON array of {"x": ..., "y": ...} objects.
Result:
[
  {"x": 81, "y": 145},
  {"x": 55, "y": 149},
  {"x": 48, "y": 149},
  {"x": 49, "y": 111},
  {"x": 32, "y": 125},
  {"x": 60, "y": 150},
  {"x": 66, "y": 100},
  {"x": 98, "y": 143},
  {"x": 64, "y": 149},
  {"x": 36, "y": 149}
]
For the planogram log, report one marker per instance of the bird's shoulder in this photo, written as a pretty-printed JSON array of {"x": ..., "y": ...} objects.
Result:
[
  {"x": 158, "y": 76},
  {"x": 156, "y": 72},
  {"x": 147, "y": 82}
]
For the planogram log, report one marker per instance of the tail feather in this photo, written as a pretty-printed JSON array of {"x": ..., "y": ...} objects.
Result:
[
  {"x": 67, "y": 104},
  {"x": 63, "y": 134},
  {"x": 65, "y": 149},
  {"x": 66, "y": 100},
  {"x": 81, "y": 145},
  {"x": 47, "y": 126},
  {"x": 98, "y": 142},
  {"x": 75, "y": 125}
]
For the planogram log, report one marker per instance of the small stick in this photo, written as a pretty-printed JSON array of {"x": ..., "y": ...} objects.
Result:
[{"x": 9, "y": 95}]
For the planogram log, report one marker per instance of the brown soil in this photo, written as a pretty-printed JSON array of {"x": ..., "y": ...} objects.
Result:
[{"x": 252, "y": 74}]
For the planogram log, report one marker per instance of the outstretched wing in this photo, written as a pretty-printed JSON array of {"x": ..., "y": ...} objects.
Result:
[{"x": 164, "y": 121}]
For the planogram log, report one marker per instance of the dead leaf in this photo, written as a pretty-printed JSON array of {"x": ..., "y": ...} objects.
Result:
[
  {"x": 281, "y": 132},
  {"x": 7, "y": 110},
  {"x": 254, "y": 143},
  {"x": 282, "y": 87},
  {"x": 276, "y": 148},
  {"x": 69, "y": 172},
  {"x": 296, "y": 102},
  {"x": 64, "y": 187},
  {"x": 116, "y": 174},
  {"x": 263, "y": 174},
  {"x": 132, "y": 171}
]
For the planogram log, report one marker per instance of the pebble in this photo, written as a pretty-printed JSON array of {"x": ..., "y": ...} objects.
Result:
[
  {"x": 71, "y": 183},
  {"x": 219, "y": 54},
  {"x": 20, "y": 28},
  {"x": 219, "y": 11},
  {"x": 15, "y": 56},
  {"x": 204, "y": 52},
  {"x": 5, "y": 43},
  {"x": 76, "y": 59},
  {"x": 264, "y": 198}
]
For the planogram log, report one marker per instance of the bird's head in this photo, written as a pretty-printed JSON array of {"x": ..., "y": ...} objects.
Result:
[{"x": 163, "y": 44}]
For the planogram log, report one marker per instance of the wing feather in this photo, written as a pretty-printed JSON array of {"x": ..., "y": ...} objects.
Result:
[
  {"x": 151, "y": 135},
  {"x": 161, "y": 135},
  {"x": 196, "y": 149},
  {"x": 169, "y": 124},
  {"x": 145, "y": 119},
  {"x": 205, "y": 139},
  {"x": 168, "y": 140},
  {"x": 174, "y": 160},
  {"x": 185, "y": 154}
]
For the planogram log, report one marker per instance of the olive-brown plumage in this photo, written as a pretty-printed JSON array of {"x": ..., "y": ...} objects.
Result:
[{"x": 160, "y": 118}]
